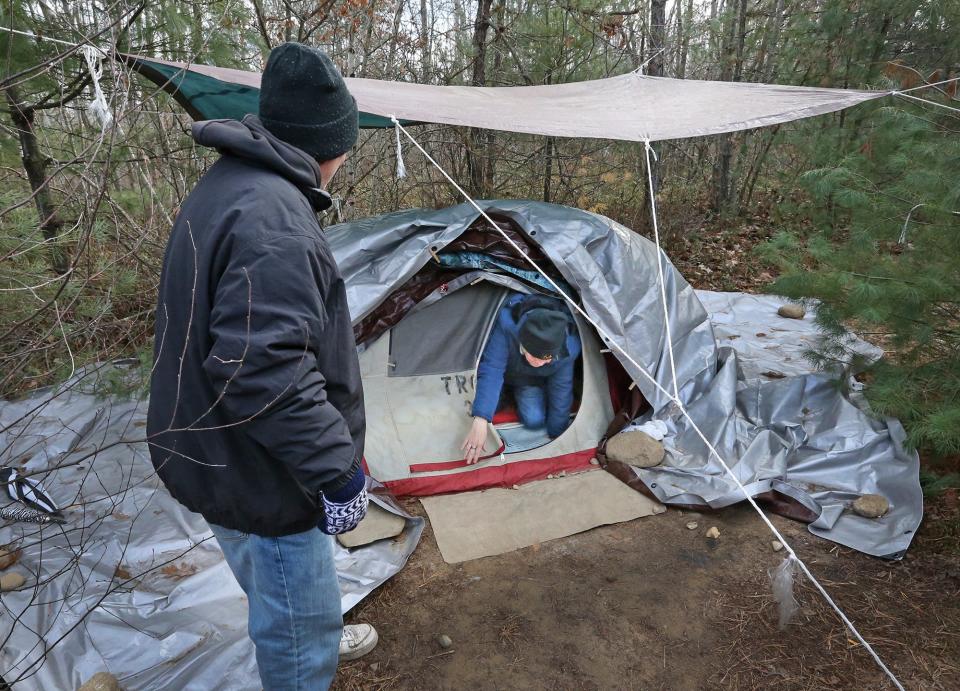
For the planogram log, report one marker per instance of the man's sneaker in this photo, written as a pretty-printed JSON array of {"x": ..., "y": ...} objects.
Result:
[{"x": 357, "y": 640}]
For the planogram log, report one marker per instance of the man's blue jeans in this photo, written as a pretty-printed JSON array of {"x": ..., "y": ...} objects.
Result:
[
  {"x": 531, "y": 405},
  {"x": 294, "y": 621}
]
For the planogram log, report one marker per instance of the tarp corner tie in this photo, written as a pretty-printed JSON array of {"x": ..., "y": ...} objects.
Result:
[{"x": 401, "y": 168}]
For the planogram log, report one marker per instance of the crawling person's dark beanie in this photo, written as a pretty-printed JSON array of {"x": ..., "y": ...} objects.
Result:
[
  {"x": 304, "y": 101},
  {"x": 543, "y": 333}
]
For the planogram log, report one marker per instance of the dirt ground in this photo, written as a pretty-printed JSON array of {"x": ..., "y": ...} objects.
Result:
[{"x": 650, "y": 604}]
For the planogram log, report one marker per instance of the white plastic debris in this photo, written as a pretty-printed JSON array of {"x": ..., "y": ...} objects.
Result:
[{"x": 781, "y": 578}]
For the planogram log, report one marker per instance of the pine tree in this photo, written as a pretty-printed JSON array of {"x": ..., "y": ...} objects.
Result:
[{"x": 885, "y": 259}]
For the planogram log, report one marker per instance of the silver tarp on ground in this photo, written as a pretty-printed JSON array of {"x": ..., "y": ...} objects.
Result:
[
  {"x": 784, "y": 427},
  {"x": 798, "y": 434},
  {"x": 132, "y": 583}
]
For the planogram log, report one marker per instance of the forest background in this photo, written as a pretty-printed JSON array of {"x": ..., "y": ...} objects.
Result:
[{"x": 859, "y": 209}]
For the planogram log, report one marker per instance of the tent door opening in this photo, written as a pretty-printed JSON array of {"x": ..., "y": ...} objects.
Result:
[{"x": 419, "y": 381}]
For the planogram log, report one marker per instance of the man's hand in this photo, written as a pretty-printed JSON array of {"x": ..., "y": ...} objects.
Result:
[
  {"x": 346, "y": 507},
  {"x": 475, "y": 443}
]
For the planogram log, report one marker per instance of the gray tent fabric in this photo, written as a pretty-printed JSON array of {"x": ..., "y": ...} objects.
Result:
[
  {"x": 798, "y": 434},
  {"x": 630, "y": 107},
  {"x": 595, "y": 255}
]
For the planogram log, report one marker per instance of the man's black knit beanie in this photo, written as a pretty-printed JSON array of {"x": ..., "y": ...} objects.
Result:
[
  {"x": 304, "y": 101},
  {"x": 544, "y": 332}
]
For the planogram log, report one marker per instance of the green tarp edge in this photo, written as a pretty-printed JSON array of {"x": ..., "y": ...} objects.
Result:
[{"x": 207, "y": 98}]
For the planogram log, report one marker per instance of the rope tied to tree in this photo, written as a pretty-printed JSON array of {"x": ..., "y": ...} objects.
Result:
[
  {"x": 98, "y": 106},
  {"x": 401, "y": 168}
]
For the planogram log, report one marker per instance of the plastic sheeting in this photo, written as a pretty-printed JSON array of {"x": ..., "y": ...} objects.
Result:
[
  {"x": 631, "y": 107},
  {"x": 611, "y": 268},
  {"x": 791, "y": 430},
  {"x": 799, "y": 435},
  {"x": 133, "y": 583}
]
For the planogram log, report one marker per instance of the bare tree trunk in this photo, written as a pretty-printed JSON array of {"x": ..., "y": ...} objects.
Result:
[
  {"x": 750, "y": 181},
  {"x": 772, "y": 54},
  {"x": 35, "y": 165},
  {"x": 477, "y": 137},
  {"x": 655, "y": 68},
  {"x": 685, "y": 40},
  {"x": 391, "y": 64},
  {"x": 262, "y": 23},
  {"x": 658, "y": 27},
  {"x": 426, "y": 39},
  {"x": 547, "y": 168},
  {"x": 490, "y": 158},
  {"x": 728, "y": 72}
]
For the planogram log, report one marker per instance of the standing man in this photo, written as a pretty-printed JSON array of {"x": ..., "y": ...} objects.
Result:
[
  {"x": 532, "y": 351},
  {"x": 256, "y": 414}
]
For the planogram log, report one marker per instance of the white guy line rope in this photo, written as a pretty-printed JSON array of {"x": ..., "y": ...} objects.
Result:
[
  {"x": 924, "y": 100},
  {"x": 927, "y": 86},
  {"x": 30, "y": 34},
  {"x": 663, "y": 284},
  {"x": 676, "y": 401}
]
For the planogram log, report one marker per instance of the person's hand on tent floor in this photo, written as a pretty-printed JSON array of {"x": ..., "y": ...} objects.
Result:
[{"x": 475, "y": 443}]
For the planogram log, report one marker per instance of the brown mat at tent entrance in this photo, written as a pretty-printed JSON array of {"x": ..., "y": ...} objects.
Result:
[{"x": 470, "y": 525}]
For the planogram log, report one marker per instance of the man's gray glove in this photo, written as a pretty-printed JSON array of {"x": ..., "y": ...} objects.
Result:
[{"x": 346, "y": 507}]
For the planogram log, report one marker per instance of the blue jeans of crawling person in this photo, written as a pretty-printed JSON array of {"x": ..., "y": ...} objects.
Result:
[
  {"x": 531, "y": 405},
  {"x": 295, "y": 621}
]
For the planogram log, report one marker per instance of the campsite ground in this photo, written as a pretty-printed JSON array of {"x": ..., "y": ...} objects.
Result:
[{"x": 651, "y": 604}]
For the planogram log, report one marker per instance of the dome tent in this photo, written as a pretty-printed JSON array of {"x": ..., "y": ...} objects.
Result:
[{"x": 422, "y": 309}]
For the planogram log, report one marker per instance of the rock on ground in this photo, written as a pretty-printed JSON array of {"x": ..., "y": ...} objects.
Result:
[
  {"x": 101, "y": 681},
  {"x": 11, "y": 581},
  {"x": 792, "y": 311},
  {"x": 871, "y": 506},
  {"x": 636, "y": 449}
]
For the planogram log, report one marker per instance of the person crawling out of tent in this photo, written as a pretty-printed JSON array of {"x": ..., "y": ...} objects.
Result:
[{"x": 532, "y": 352}]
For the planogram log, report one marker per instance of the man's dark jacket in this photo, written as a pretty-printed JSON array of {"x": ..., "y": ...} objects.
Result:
[{"x": 256, "y": 404}]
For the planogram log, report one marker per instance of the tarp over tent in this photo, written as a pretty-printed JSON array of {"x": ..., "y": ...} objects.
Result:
[
  {"x": 631, "y": 107},
  {"x": 605, "y": 262}
]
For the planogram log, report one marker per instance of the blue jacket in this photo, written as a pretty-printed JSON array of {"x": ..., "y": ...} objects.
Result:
[{"x": 502, "y": 360}]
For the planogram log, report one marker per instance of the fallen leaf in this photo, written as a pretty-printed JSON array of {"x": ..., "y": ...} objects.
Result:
[
  {"x": 178, "y": 571},
  {"x": 121, "y": 573},
  {"x": 120, "y": 516},
  {"x": 9, "y": 558},
  {"x": 772, "y": 374}
]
